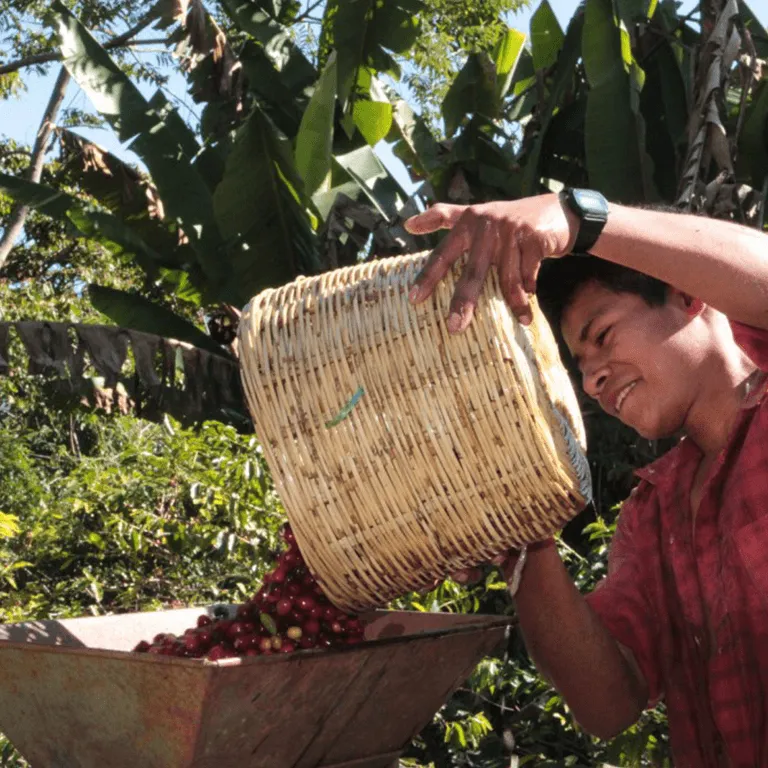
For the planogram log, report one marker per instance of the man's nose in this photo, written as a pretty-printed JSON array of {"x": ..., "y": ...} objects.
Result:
[{"x": 594, "y": 378}]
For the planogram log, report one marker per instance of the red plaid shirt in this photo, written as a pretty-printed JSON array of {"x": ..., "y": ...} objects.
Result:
[{"x": 693, "y": 606}]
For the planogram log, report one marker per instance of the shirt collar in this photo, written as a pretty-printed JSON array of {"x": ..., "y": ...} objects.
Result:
[{"x": 666, "y": 467}]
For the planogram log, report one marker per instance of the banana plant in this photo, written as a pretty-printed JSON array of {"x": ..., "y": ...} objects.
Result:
[
  {"x": 282, "y": 171},
  {"x": 648, "y": 107}
]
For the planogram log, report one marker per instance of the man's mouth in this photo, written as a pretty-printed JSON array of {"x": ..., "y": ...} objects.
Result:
[{"x": 623, "y": 395}]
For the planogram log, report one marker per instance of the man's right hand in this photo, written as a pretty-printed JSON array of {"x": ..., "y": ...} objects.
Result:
[{"x": 512, "y": 235}]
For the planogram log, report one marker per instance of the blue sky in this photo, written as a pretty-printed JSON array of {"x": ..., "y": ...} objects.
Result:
[{"x": 19, "y": 118}]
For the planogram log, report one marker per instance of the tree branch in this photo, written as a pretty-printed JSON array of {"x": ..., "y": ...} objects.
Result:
[
  {"x": 121, "y": 41},
  {"x": 19, "y": 213},
  {"x": 310, "y": 8}
]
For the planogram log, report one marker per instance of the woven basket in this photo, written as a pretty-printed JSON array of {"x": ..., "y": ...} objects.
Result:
[{"x": 402, "y": 453}]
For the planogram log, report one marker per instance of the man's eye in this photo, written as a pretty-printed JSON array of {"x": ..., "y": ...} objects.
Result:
[{"x": 601, "y": 336}]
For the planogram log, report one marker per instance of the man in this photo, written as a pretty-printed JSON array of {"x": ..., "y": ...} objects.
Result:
[{"x": 667, "y": 322}]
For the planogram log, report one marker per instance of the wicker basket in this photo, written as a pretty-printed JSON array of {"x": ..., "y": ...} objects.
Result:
[{"x": 402, "y": 453}]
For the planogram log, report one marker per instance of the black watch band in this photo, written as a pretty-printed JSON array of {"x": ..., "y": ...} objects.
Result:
[{"x": 592, "y": 209}]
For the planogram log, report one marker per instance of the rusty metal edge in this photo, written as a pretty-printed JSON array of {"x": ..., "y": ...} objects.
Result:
[{"x": 484, "y": 622}]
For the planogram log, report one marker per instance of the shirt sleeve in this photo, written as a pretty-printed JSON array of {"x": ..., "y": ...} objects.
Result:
[
  {"x": 623, "y": 599},
  {"x": 754, "y": 341}
]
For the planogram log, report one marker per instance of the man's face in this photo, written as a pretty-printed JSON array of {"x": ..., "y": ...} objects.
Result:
[{"x": 639, "y": 362}]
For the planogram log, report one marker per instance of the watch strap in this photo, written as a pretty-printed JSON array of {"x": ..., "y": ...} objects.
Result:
[{"x": 592, "y": 209}]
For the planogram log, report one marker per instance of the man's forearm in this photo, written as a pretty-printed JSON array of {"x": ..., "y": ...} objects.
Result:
[
  {"x": 573, "y": 649},
  {"x": 723, "y": 264}
]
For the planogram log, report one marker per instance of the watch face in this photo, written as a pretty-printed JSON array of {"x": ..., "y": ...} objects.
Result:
[{"x": 591, "y": 202}]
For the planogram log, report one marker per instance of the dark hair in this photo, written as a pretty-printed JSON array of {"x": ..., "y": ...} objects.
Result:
[{"x": 560, "y": 279}]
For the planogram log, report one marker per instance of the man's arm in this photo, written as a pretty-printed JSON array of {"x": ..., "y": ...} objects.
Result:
[
  {"x": 599, "y": 680},
  {"x": 723, "y": 264}
]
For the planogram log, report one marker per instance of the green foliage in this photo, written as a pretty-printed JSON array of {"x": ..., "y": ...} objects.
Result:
[
  {"x": 118, "y": 515},
  {"x": 450, "y": 30}
]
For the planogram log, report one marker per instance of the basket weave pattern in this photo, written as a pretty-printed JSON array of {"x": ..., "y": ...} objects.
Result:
[{"x": 459, "y": 447}]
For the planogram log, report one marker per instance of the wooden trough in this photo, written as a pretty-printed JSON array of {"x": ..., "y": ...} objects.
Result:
[{"x": 74, "y": 696}]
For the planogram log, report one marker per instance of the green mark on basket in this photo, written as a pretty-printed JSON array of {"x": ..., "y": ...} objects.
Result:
[{"x": 346, "y": 410}]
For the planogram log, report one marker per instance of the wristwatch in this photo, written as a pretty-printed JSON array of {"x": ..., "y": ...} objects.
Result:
[{"x": 592, "y": 209}]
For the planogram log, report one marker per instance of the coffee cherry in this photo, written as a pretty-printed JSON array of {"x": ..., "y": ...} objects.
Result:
[
  {"x": 305, "y": 603},
  {"x": 287, "y": 535},
  {"x": 220, "y": 652},
  {"x": 289, "y": 612},
  {"x": 311, "y": 627},
  {"x": 265, "y": 644},
  {"x": 242, "y": 643},
  {"x": 236, "y": 629},
  {"x": 192, "y": 643}
]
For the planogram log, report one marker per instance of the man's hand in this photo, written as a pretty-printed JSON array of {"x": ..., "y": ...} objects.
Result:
[
  {"x": 510, "y": 563},
  {"x": 514, "y": 236},
  {"x": 505, "y": 561}
]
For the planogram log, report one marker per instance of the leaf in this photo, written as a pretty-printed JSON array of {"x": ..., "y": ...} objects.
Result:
[
  {"x": 546, "y": 36},
  {"x": 756, "y": 29},
  {"x": 366, "y": 31},
  {"x": 371, "y": 112},
  {"x": 126, "y": 193},
  {"x": 151, "y": 129},
  {"x": 563, "y": 77},
  {"x": 268, "y": 623},
  {"x": 52, "y": 202},
  {"x": 282, "y": 96},
  {"x": 362, "y": 176},
  {"x": 506, "y": 56},
  {"x": 614, "y": 131},
  {"x": 9, "y": 526},
  {"x": 268, "y": 221},
  {"x": 752, "y": 161},
  {"x": 413, "y": 141},
  {"x": 130, "y": 310},
  {"x": 373, "y": 119},
  {"x": 314, "y": 142},
  {"x": 112, "y": 233},
  {"x": 101, "y": 227},
  {"x": 664, "y": 108},
  {"x": 634, "y": 11},
  {"x": 473, "y": 91}
]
